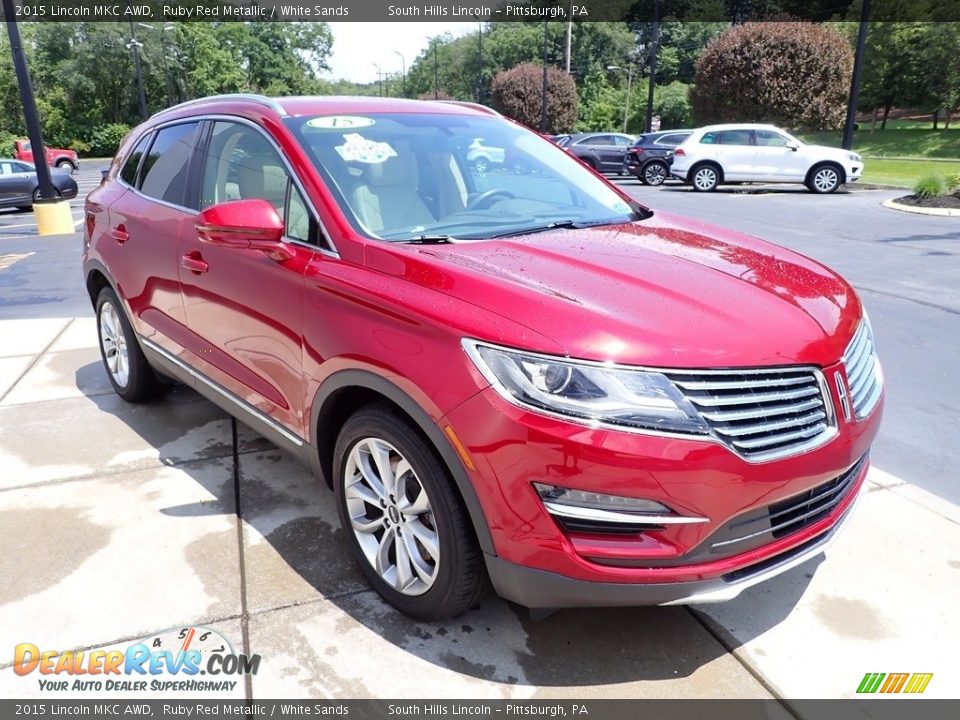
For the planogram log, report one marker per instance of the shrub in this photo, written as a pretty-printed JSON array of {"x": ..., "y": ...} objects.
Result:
[
  {"x": 79, "y": 147},
  {"x": 789, "y": 73},
  {"x": 518, "y": 93},
  {"x": 7, "y": 139},
  {"x": 672, "y": 103},
  {"x": 931, "y": 185},
  {"x": 953, "y": 182},
  {"x": 105, "y": 140}
]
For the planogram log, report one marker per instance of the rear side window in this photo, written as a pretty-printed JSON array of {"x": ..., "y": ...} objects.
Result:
[
  {"x": 129, "y": 172},
  {"x": 735, "y": 137},
  {"x": 672, "y": 140},
  {"x": 165, "y": 168}
]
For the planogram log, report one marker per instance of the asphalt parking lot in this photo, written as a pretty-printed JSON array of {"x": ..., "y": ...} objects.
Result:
[{"x": 121, "y": 522}]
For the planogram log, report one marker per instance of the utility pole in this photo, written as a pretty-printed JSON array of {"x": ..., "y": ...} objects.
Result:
[
  {"x": 480, "y": 64},
  {"x": 847, "y": 143},
  {"x": 134, "y": 45},
  {"x": 543, "y": 97},
  {"x": 403, "y": 66},
  {"x": 626, "y": 104},
  {"x": 436, "y": 73},
  {"x": 654, "y": 49},
  {"x": 379, "y": 80}
]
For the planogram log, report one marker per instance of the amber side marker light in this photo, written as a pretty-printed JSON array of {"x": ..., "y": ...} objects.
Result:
[{"x": 459, "y": 447}]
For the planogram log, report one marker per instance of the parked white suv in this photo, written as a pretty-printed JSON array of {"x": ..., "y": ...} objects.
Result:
[{"x": 717, "y": 154}]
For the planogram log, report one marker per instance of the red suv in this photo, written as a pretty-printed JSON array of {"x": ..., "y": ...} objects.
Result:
[{"x": 529, "y": 378}]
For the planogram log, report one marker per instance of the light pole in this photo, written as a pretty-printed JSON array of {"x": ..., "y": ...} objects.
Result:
[
  {"x": 847, "y": 143},
  {"x": 134, "y": 46},
  {"x": 648, "y": 125},
  {"x": 403, "y": 64},
  {"x": 626, "y": 105},
  {"x": 163, "y": 55}
]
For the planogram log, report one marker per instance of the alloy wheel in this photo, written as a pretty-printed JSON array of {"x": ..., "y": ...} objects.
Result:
[
  {"x": 391, "y": 516},
  {"x": 826, "y": 179},
  {"x": 654, "y": 174},
  {"x": 705, "y": 178},
  {"x": 113, "y": 343}
]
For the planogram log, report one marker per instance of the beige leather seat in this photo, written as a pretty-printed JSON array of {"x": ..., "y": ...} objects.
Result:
[{"x": 387, "y": 198}]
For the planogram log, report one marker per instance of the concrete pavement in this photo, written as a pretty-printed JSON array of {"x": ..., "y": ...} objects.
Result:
[{"x": 121, "y": 521}]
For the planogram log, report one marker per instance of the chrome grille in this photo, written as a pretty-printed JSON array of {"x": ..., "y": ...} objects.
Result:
[
  {"x": 761, "y": 414},
  {"x": 863, "y": 371}
]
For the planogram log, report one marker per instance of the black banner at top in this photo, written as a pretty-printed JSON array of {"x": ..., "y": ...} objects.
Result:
[{"x": 481, "y": 10}]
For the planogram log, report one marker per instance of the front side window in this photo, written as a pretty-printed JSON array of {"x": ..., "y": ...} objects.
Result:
[
  {"x": 166, "y": 167},
  {"x": 241, "y": 164},
  {"x": 404, "y": 177},
  {"x": 769, "y": 138}
]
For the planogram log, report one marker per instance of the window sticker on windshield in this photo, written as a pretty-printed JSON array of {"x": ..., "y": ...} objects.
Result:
[
  {"x": 359, "y": 149},
  {"x": 331, "y": 122}
]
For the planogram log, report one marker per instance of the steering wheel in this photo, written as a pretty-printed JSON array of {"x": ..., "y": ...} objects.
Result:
[{"x": 484, "y": 199}]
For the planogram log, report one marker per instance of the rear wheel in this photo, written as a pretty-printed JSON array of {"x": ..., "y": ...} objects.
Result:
[
  {"x": 824, "y": 179},
  {"x": 37, "y": 198},
  {"x": 65, "y": 165},
  {"x": 406, "y": 524},
  {"x": 130, "y": 375},
  {"x": 655, "y": 173},
  {"x": 481, "y": 164},
  {"x": 705, "y": 178}
]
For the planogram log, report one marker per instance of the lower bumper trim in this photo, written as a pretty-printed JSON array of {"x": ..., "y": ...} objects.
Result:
[{"x": 535, "y": 588}]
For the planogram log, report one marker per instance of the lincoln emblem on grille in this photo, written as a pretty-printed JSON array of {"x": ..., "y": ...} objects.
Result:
[{"x": 842, "y": 392}]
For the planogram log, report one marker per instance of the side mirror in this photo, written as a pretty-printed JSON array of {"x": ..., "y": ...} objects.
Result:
[
  {"x": 252, "y": 224},
  {"x": 792, "y": 145}
]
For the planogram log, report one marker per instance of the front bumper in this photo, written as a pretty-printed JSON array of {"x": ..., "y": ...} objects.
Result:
[
  {"x": 540, "y": 562},
  {"x": 534, "y": 588}
]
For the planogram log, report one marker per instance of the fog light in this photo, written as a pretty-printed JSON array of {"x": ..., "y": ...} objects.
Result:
[{"x": 600, "y": 508}]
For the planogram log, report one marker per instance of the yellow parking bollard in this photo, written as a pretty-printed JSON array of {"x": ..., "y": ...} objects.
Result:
[{"x": 53, "y": 218}]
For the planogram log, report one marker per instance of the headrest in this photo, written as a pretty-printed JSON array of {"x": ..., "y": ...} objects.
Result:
[{"x": 398, "y": 170}]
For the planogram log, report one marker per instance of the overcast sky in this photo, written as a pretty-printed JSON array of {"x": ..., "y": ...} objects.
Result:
[{"x": 356, "y": 46}]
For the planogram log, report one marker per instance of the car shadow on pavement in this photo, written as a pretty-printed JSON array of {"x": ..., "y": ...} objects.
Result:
[{"x": 305, "y": 596}]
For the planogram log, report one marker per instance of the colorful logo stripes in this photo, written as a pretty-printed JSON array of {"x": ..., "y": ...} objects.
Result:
[{"x": 894, "y": 682}]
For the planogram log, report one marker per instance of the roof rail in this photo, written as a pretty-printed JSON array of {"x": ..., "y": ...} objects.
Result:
[
  {"x": 250, "y": 97},
  {"x": 475, "y": 106}
]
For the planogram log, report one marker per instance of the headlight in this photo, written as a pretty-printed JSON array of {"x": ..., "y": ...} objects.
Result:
[
  {"x": 588, "y": 391},
  {"x": 853, "y": 156}
]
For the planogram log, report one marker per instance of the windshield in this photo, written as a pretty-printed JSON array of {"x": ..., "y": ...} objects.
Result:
[{"x": 410, "y": 177}]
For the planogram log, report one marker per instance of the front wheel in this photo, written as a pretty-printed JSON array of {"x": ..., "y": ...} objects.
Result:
[
  {"x": 824, "y": 179},
  {"x": 481, "y": 164},
  {"x": 404, "y": 519}
]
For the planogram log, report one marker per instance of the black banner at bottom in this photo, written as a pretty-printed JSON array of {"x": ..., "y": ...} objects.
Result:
[{"x": 879, "y": 708}]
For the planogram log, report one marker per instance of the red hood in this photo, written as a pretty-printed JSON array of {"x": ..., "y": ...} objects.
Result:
[{"x": 663, "y": 292}]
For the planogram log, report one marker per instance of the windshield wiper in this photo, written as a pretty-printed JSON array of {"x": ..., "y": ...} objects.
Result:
[{"x": 557, "y": 225}]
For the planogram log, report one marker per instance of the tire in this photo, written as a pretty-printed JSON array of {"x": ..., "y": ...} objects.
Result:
[
  {"x": 447, "y": 575},
  {"x": 705, "y": 177},
  {"x": 824, "y": 179},
  {"x": 127, "y": 369},
  {"x": 655, "y": 173},
  {"x": 481, "y": 164},
  {"x": 65, "y": 164},
  {"x": 36, "y": 194}
]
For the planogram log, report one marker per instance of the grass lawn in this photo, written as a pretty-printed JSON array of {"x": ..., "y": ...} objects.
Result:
[
  {"x": 898, "y": 142},
  {"x": 903, "y": 153},
  {"x": 904, "y": 173}
]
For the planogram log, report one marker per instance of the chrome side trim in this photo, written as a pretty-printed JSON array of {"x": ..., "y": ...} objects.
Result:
[
  {"x": 581, "y": 513},
  {"x": 223, "y": 392}
]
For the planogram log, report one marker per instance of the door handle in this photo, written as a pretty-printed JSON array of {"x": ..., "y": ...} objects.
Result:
[
  {"x": 194, "y": 262},
  {"x": 120, "y": 234}
]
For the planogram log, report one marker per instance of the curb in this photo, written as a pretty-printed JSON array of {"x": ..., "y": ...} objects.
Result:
[{"x": 941, "y": 212}]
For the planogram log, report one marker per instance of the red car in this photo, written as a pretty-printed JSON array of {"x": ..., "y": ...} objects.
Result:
[
  {"x": 56, "y": 157},
  {"x": 528, "y": 379}
]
